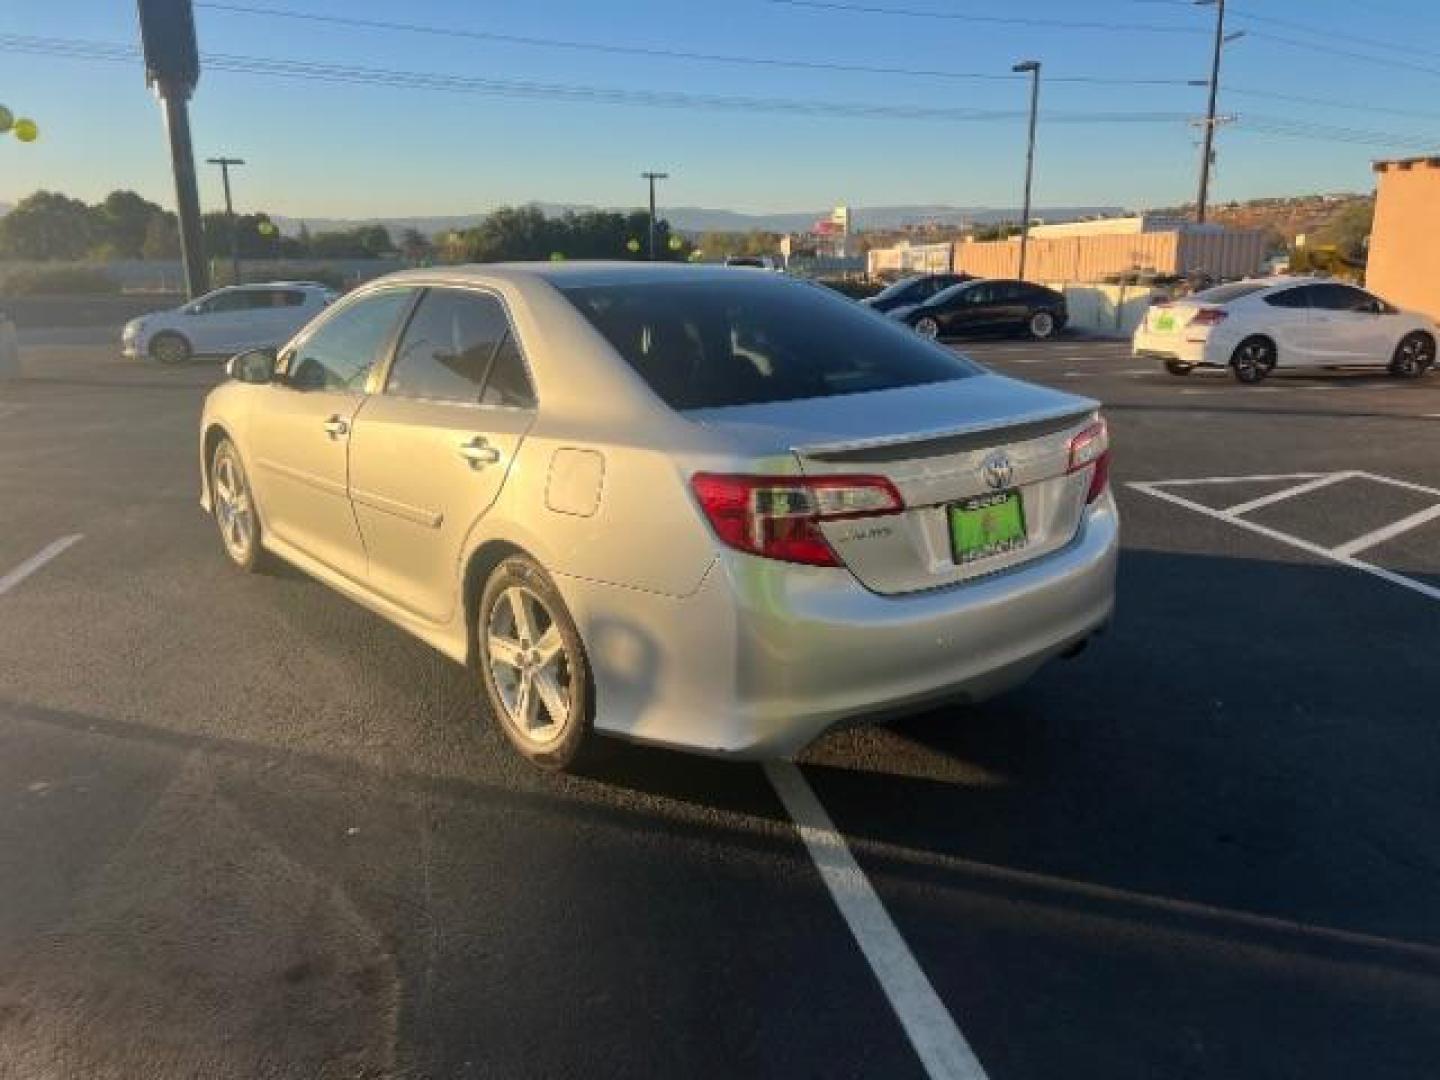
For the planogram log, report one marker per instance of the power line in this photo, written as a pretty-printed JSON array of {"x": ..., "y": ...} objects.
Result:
[
  {"x": 1330, "y": 103},
  {"x": 1306, "y": 28},
  {"x": 655, "y": 51},
  {"x": 971, "y": 17},
  {"x": 1329, "y": 50},
  {"x": 70, "y": 48}
]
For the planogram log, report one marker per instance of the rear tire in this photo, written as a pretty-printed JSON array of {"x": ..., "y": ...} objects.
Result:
[
  {"x": 1253, "y": 360},
  {"x": 1414, "y": 356},
  {"x": 533, "y": 667},
  {"x": 927, "y": 328},
  {"x": 171, "y": 348},
  {"x": 1175, "y": 367},
  {"x": 1042, "y": 325}
]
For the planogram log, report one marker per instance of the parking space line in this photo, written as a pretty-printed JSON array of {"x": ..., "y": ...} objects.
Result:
[
  {"x": 36, "y": 561},
  {"x": 1154, "y": 488},
  {"x": 1388, "y": 532},
  {"x": 933, "y": 1034},
  {"x": 1261, "y": 479},
  {"x": 1290, "y": 493},
  {"x": 1406, "y": 484}
]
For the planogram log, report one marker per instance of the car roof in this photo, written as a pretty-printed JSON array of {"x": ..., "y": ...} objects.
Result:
[{"x": 565, "y": 274}]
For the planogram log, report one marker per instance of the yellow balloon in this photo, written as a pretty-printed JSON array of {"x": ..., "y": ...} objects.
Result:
[
  {"x": 7, "y": 118},
  {"x": 26, "y": 130},
  {"x": 266, "y": 228},
  {"x": 632, "y": 245},
  {"x": 676, "y": 243}
]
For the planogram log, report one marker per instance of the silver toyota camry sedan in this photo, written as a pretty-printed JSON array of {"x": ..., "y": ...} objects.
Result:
[{"x": 693, "y": 506}]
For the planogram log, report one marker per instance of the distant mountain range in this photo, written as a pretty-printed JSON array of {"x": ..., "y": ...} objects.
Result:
[{"x": 695, "y": 219}]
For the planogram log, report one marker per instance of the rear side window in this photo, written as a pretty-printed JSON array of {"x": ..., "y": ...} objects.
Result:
[
  {"x": 710, "y": 344},
  {"x": 1291, "y": 298},
  {"x": 508, "y": 387},
  {"x": 1342, "y": 298},
  {"x": 445, "y": 352},
  {"x": 1223, "y": 294}
]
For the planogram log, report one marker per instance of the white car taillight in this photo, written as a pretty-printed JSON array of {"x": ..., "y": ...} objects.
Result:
[
  {"x": 778, "y": 517},
  {"x": 1092, "y": 447}
]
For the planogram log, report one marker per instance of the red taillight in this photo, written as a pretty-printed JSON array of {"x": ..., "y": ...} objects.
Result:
[
  {"x": 1092, "y": 447},
  {"x": 779, "y": 517},
  {"x": 1208, "y": 316}
]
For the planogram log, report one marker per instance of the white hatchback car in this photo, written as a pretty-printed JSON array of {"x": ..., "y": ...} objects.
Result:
[
  {"x": 227, "y": 321},
  {"x": 1252, "y": 327}
]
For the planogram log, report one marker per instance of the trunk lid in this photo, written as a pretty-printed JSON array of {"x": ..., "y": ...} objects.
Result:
[
  {"x": 934, "y": 444},
  {"x": 1171, "y": 318}
]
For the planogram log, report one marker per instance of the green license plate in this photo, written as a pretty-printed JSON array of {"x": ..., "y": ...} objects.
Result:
[
  {"x": 1165, "y": 323},
  {"x": 986, "y": 526}
]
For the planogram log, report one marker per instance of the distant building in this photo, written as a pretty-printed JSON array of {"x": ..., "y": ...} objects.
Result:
[
  {"x": 1404, "y": 262},
  {"x": 827, "y": 238}
]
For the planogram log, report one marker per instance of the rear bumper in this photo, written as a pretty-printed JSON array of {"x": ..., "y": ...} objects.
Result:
[
  {"x": 1177, "y": 348},
  {"x": 765, "y": 657}
]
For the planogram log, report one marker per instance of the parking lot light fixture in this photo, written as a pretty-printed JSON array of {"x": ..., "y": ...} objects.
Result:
[{"x": 1031, "y": 67}]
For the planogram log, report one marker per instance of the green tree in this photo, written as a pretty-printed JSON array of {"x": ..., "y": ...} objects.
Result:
[
  {"x": 46, "y": 225},
  {"x": 415, "y": 246},
  {"x": 1349, "y": 229},
  {"x": 120, "y": 223},
  {"x": 162, "y": 238}
]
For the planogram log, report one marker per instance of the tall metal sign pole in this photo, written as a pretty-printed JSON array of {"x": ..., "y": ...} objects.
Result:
[
  {"x": 225, "y": 163},
  {"x": 172, "y": 68},
  {"x": 652, "y": 177}
]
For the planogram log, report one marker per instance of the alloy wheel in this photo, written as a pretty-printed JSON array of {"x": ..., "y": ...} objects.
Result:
[
  {"x": 1042, "y": 324},
  {"x": 530, "y": 666},
  {"x": 1415, "y": 354},
  {"x": 234, "y": 509},
  {"x": 928, "y": 328},
  {"x": 1253, "y": 361}
]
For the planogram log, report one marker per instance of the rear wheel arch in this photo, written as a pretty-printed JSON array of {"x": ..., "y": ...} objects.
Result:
[{"x": 478, "y": 568}]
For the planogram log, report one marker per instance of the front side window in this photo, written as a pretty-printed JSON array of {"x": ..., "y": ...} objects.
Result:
[
  {"x": 446, "y": 351},
  {"x": 343, "y": 349},
  {"x": 218, "y": 303},
  {"x": 757, "y": 339}
]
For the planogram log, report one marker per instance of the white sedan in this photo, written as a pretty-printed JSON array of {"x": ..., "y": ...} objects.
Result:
[
  {"x": 227, "y": 321},
  {"x": 1253, "y": 327}
]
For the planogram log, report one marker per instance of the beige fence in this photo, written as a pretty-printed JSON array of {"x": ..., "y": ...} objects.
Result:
[{"x": 1094, "y": 258}]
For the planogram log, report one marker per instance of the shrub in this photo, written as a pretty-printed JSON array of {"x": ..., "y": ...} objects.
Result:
[{"x": 58, "y": 281}]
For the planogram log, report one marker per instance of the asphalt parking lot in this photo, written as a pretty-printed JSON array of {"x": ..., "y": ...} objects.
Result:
[{"x": 251, "y": 830}]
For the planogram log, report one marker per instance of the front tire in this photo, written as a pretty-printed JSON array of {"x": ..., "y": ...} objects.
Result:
[
  {"x": 234, "y": 507},
  {"x": 927, "y": 327},
  {"x": 1042, "y": 326},
  {"x": 1253, "y": 360},
  {"x": 171, "y": 348},
  {"x": 533, "y": 666},
  {"x": 1414, "y": 356}
]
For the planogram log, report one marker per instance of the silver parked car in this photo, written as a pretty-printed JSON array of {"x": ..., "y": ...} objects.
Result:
[{"x": 686, "y": 506}]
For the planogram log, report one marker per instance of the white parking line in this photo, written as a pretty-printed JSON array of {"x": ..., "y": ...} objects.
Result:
[
  {"x": 1389, "y": 532},
  {"x": 1290, "y": 493},
  {"x": 1342, "y": 554},
  {"x": 36, "y": 561},
  {"x": 932, "y": 1030}
]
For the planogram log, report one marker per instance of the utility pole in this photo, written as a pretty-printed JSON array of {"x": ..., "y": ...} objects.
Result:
[
  {"x": 1033, "y": 67},
  {"x": 1207, "y": 148},
  {"x": 652, "y": 177},
  {"x": 225, "y": 163}
]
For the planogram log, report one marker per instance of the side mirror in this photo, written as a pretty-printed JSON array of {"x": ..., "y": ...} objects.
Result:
[{"x": 256, "y": 366}]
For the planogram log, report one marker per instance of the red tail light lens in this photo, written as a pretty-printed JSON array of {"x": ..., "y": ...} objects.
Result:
[
  {"x": 1208, "y": 316},
  {"x": 1092, "y": 447},
  {"x": 778, "y": 517}
]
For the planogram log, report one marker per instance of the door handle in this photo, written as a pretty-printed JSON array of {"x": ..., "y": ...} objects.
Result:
[
  {"x": 336, "y": 427},
  {"x": 479, "y": 452}
]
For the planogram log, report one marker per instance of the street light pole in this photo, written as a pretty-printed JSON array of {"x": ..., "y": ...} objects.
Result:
[
  {"x": 652, "y": 177},
  {"x": 1033, "y": 67},
  {"x": 225, "y": 163}
]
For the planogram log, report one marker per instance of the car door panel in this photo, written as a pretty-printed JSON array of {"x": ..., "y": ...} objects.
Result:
[
  {"x": 431, "y": 452},
  {"x": 419, "y": 487}
]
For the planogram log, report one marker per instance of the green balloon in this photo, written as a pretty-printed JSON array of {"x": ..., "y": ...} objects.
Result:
[
  {"x": 557, "y": 256},
  {"x": 26, "y": 130},
  {"x": 267, "y": 228},
  {"x": 676, "y": 243},
  {"x": 632, "y": 245},
  {"x": 7, "y": 119}
]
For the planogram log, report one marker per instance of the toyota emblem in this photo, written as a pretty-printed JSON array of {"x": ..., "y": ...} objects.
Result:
[{"x": 998, "y": 470}]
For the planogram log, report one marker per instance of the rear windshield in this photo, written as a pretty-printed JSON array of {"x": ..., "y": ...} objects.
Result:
[
  {"x": 897, "y": 288},
  {"x": 713, "y": 344},
  {"x": 1223, "y": 294}
]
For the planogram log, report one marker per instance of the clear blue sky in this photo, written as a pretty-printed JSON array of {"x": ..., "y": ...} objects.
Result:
[{"x": 321, "y": 149}]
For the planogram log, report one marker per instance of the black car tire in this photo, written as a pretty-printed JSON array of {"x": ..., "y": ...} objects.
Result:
[
  {"x": 169, "y": 347},
  {"x": 1042, "y": 325},
  {"x": 1253, "y": 360},
  {"x": 1414, "y": 356}
]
